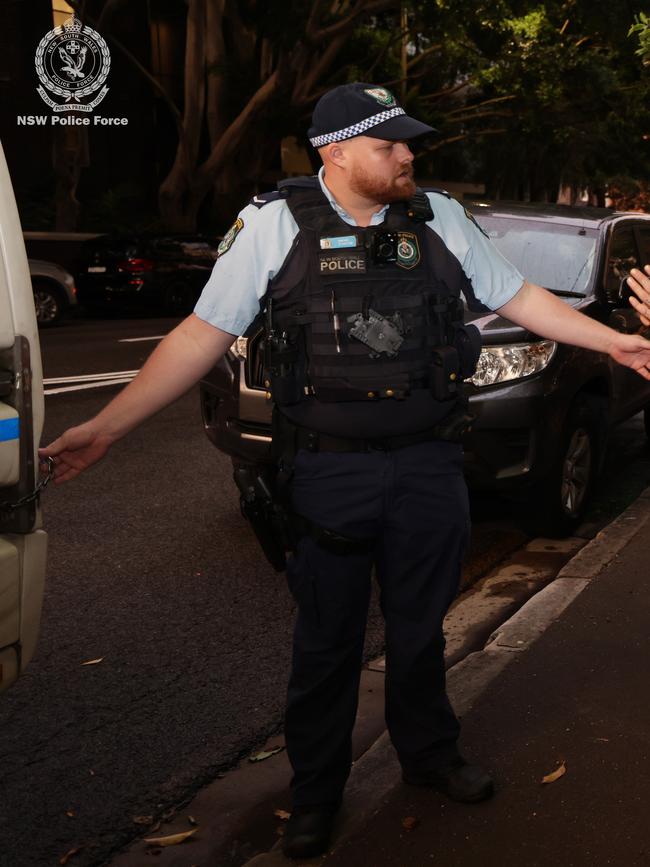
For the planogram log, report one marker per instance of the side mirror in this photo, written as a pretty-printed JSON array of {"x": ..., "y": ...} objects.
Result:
[{"x": 619, "y": 295}]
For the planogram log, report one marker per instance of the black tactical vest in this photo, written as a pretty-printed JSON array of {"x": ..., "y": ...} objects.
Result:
[{"x": 365, "y": 333}]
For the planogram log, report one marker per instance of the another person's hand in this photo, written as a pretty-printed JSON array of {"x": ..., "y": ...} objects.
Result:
[
  {"x": 639, "y": 283},
  {"x": 633, "y": 351},
  {"x": 75, "y": 450}
]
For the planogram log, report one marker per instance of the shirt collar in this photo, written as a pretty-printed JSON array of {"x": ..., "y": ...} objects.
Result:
[{"x": 343, "y": 214}]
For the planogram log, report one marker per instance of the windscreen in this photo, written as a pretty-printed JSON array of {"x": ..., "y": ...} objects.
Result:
[{"x": 555, "y": 256}]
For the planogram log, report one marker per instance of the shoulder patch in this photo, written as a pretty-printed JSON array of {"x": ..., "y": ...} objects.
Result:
[
  {"x": 472, "y": 219},
  {"x": 229, "y": 238},
  {"x": 261, "y": 199}
]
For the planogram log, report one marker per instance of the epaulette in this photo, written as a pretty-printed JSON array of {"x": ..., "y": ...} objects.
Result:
[
  {"x": 261, "y": 199},
  {"x": 418, "y": 207},
  {"x": 309, "y": 182},
  {"x": 440, "y": 192}
]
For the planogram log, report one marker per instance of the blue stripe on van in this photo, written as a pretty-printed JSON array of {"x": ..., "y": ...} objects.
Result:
[{"x": 9, "y": 429}]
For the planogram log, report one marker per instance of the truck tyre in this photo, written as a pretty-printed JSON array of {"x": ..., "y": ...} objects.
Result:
[{"x": 560, "y": 501}]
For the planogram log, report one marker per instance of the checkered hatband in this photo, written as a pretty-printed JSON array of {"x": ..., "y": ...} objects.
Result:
[{"x": 356, "y": 128}]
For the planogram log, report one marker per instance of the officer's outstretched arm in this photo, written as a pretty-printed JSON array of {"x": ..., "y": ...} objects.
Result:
[
  {"x": 545, "y": 314},
  {"x": 185, "y": 355}
]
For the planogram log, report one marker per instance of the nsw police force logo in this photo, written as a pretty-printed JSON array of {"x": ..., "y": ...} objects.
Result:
[{"x": 72, "y": 62}]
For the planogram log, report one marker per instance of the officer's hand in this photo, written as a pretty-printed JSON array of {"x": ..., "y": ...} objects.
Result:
[
  {"x": 77, "y": 449},
  {"x": 639, "y": 283}
]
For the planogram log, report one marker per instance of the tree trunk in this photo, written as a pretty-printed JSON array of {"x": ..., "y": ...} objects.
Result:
[{"x": 69, "y": 157}]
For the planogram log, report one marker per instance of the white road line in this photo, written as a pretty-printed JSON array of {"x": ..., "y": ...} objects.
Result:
[
  {"x": 88, "y": 385},
  {"x": 137, "y": 339},
  {"x": 89, "y": 377}
]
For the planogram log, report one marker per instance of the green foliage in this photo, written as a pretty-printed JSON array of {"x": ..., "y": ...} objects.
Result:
[
  {"x": 642, "y": 27},
  {"x": 574, "y": 116}
]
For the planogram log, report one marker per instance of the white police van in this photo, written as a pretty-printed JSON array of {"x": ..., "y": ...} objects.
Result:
[{"x": 23, "y": 543}]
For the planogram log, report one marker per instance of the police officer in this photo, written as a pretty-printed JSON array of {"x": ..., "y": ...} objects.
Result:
[{"x": 359, "y": 276}]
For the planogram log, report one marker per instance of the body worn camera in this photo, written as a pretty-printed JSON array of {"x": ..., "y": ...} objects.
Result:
[{"x": 383, "y": 248}]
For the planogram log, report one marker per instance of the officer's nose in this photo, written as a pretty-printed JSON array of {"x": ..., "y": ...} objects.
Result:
[{"x": 404, "y": 152}]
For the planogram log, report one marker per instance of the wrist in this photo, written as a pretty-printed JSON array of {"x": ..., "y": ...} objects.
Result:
[{"x": 101, "y": 430}]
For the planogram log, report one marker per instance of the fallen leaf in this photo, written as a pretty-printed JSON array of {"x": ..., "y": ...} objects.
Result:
[
  {"x": 171, "y": 840},
  {"x": 192, "y": 820},
  {"x": 93, "y": 661},
  {"x": 602, "y": 740},
  {"x": 70, "y": 813},
  {"x": 410, "y": 823},
  {"x": 282, "y": 814},
  {"x": 143, "y": 820},
  {"x": 259, "y": 757},
  {"x": 155, "y": 827},
  {"x": 70, "y": 854},
  {"x": 92, "y": 773},
  {"x": 560, "y": 772}
]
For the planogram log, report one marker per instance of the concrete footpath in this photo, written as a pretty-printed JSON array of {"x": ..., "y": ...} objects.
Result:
[{"x": 560, "y": 688}]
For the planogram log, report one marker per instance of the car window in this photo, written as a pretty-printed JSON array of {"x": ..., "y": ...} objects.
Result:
[
  {"x": 643, "y": 238},
  {"x": 622, "y": 257},
  {"x": 555, "y": 256}
]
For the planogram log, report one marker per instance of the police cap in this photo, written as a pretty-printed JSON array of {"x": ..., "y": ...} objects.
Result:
[{"x": 362, "y": 109}]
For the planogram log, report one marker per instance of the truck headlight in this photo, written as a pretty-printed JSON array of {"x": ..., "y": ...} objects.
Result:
[
  {"x": 513, "y": 361},
  {"x": 240, "y": 348}
]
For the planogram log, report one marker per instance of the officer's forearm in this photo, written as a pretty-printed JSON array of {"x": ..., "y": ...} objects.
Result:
[
  {"x": 545, "y": 314},
  {"x": 185, "y": 355}
]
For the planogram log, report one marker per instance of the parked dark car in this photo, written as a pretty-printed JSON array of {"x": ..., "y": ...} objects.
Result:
[
  {"x": 543, "y": 410},
  {"x": 162, "y": 273},
  {"x": 54, "y": 290}
]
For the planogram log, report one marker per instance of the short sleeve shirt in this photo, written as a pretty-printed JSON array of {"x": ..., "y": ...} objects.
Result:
[{"x": 260, "y": 240}]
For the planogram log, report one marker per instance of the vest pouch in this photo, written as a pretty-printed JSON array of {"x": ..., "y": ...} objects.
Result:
[
  {"x": 444, "y": 373},
  {"x": 282, "y": 363},
  {"x": 467, "y": 340}
]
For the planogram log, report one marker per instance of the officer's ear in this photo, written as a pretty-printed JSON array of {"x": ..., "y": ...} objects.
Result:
[{"x": 335, "y": 154}]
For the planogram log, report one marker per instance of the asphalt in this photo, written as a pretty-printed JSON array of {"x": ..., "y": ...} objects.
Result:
[{"x": 561, "y": 684}]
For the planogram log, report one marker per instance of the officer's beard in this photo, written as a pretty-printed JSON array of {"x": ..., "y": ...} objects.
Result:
[{"x": 382, "y": 189}]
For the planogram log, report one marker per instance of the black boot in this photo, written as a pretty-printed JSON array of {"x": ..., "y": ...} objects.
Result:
[
  {"x": 459, "y": 780},
  {"x": 308, "y": 831}
]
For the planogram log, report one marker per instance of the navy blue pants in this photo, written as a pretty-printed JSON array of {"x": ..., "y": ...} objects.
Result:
[{"x": 414, "y": 501}]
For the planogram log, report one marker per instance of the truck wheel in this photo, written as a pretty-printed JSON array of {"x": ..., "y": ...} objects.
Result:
[
  {"x": 47, "y": 302},
  {"x": 560, "y": 501}
]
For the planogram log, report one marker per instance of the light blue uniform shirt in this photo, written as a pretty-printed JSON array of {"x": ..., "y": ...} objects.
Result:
[{"x": 239, "y": 280}]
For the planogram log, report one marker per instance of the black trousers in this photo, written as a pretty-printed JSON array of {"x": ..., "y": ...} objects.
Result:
[{"x": 414, "y": 501}]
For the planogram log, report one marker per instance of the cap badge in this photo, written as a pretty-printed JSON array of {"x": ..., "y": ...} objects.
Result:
[{"x": 383, "y": 96}]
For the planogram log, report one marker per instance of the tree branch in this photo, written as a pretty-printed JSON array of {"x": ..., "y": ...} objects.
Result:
[
  {"x": 460, "y": 137},
  {"x": 229, "y": 141},
  {"x": 447, "y": 91},
  {"x": 157, "y": 87},
  {"x": 418, "y": 57},
  {"x": 346, "y": 24}
]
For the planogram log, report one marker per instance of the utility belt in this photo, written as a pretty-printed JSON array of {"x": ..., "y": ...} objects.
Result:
[
  {"x": 265, "y": 489},
  {"x": 450, "y": 430}
]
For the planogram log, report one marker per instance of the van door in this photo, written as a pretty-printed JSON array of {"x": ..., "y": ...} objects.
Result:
[{"x": 22, "y": 541}]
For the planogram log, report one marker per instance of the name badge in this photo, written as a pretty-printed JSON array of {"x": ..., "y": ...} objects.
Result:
[{"x": 338, "y": 243}]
